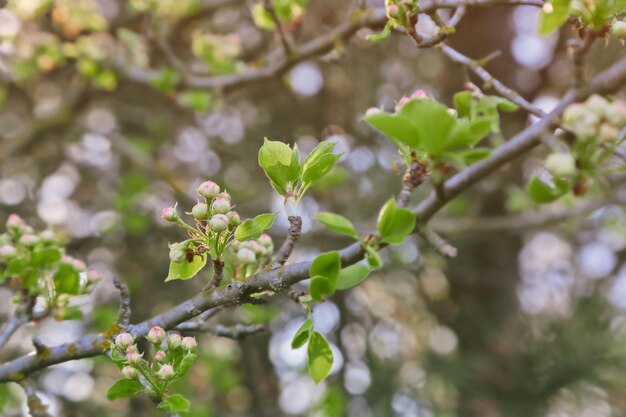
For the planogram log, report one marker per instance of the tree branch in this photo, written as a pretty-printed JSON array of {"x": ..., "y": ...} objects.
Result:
[
  {"x": 13, "y": 323},
  {"x": 295, "y": 228},
  {"x": 237, "y": 332},
  {"x": 36, "y": 407},
  {"x": 123, "y": 315}
]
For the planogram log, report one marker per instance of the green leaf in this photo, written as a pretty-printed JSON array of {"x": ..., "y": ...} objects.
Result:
[
  {"x": 327, "y": 265},
  {"x": 281, "y": 164},
  {"x": 254, "y": 228},
  {"x": 505, "y": 104},
  {"x": 175, "y": 404},
  {"x": 165, "y": 81},
  {"x": 124, "y": 388},
  {"x": 463, "y": 103},
  {"x": 302, "y": 335},
  {"x": 45, "y": 256},
  {"x": 382, "y": 35},
  {"x": 197, "y": 100},
  {"x": 398, "y": 129},
  {"x": 542, "y": 193},
  {"x": 433, "y": 123},
  {"x": 186, "y": 270},
  {"x": 395, "y": 224},
  {"x": 557, "y": 15},
  {"x": 373, "y": 258},
  {"x": 319, "y": 286},
  {"x": 337, "y": 223},
  {"x": 314, "y": 172},
  {"x": 262, "y": 18},
  {"x": 320, "y": 357},
  {"x": 351, "y": 276},
  {"x": 67, "y": 280},
  {"x": 185, "y": 364}
]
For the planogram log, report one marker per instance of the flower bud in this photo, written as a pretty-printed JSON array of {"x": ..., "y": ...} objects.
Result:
[
  {"x": 372, "y": 111},
  {"x": 123, "y": 340},
  {"x": 233, "y": 218},
  {"x": 173, "y": 341},
  {"x": 208, "y": 189},
  {"x": 220, "y": 205},
  {"x": 401, "y": 103},
  {"x": 178, "y": 251},
  {"x": 225, "y": 195},
  {"x": 618, "y": 29},
  {"x": 47, "y": 236},
  {"x": 170, "y": 214},
  {"x": 129, "y": 372},
  {"x": 560, "y": 164},
  {"x": 131, "y": 348},
  {"x": 573, "y": 113},
  {"x": 218, "y": 223},
  {"x": 159, "y": 356},
  {"x": 93, "y": 276},
  {"x": 616, "y": 114},
  {"x": 156, "y": 335},
  {"x": 265, "y": 240},
  {"x": 597, "y": 104},
  {"x": 79, "y": 265},
  {"x": 246, "y": 256},
  {"x": 165, "y": 372},
  {"x": 392, "y": 11},
  {"x": 200, "y": 211},
  {"x": 7, "y": 251},
  {"x": 134, "y": 358},
  {"x": 420, "y": 94},
  {"x": 608, "y": 133},
  {"x": 15, "y": 224},
  {"x": 189, "y": 343}
]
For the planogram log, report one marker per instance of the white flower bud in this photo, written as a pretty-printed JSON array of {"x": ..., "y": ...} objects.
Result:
[
  {"x": 189, "y": 343},
  {"x": 618, "y": 29},
  {"x": 560, "y": 164},
  {"x": 597, "y": 104},
  {"x": 608, "y": 133},
  {"x": 134, "y": 358},
  {"x": 220, "y": 205},
  {"x": 165, "y": 372},
  {"x": 200, "y": 211},
  {"x": 7, "y": 251},
  {"x": 123, "y": 340},
  {"x": 159, "y": 356},
  {"x": 208, "y": 189},
  {"x": 246, "y": 256},
  {"x": 218, "y": 223},
  {"x": 173, "y": 340},
  {"x": 170, "y": 214},
  {"x": 616, "y": 114},
  {"x": 129, "y": 372},
  {"x": 233, "y": 218}
]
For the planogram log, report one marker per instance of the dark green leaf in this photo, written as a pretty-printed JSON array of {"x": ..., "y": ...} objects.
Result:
[
  {"x": 327, "y": 265},
  {"x": 254, "y": 228},
  {"x": 320, "y": 357},
  {"x": 302, "y": 335},
  {"x": 319, "y": 286},
  {"x": 543, "y": 193},
  {"x": 395, "y": 224},
  {"x": 337, "y": 223},
  {"x": 45, "y": 256},
  {"x": 124, "y": 388}
]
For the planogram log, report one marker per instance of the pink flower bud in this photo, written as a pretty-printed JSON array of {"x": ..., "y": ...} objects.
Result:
[
  {"x": 208, "y": 189},
  {"x": 189, "y": 343},
  {"x": 392, "y": 10},
  {"x": 93, "y": 276},
  {"x": 266, "y": 240},
  {"x": 233, "y": 218},
  {"x": 220, "y": 205},
  {"x": 134, "y": 358},
  {"x": 15, "y": 223},
  {"x": 246, "y": 256},
  {"x": 200, "y": 211},
  {"x": 170, "y": 214},
  {"x": 419, "y": 94},
  {"x": 218, "y": 223},
  {"x": 165, "y": 372},
  {"x": 123, "y": 340},
  {"x": 224, "y": 195},
  {"x": 372, "y": 111},
  {"x": 79, "y": 265},
  {"x": 129, "y": 372},
  {"x": 159, "y": 356},
  {"x": 132, "y": 348},
  {"x": 156, "y": 335},
  {"x": 401, "y": 103},
  {"x": 7, "y": 251},
  {"x": 174, "y": 340},
  {"x": 47, "y": 236}
]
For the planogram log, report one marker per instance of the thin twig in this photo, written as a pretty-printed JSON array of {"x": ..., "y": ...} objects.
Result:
[
  {"x": 578, "y": 49},
  {"x": 10, "y": 327},
  {"x": 438, "y": 243},
  {"x": 444, "y": 31},
  {"x": 295, "y": 228},
  {"x": 123, "y": 315},
  {"x": 237, "y": 332},
  {"x": 284, "y": 40},
  {"x": 36, "y": 407},
  {"x": 218, "y": 272}
]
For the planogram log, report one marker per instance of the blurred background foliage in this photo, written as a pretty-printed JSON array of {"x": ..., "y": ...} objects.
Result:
[{"x": 98, "y": 132}]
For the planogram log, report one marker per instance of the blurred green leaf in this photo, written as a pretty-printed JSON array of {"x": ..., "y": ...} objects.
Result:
[
  {"x": 175, "y": 403},
  {"x": 338, "y": 223},
  {"x": 320, "y": 357},
  {"x": 351, "y": 276}
]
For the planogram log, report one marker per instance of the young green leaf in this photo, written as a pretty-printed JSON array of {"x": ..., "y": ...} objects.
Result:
[
  {"x": 196, "y": 100},
  {"x": 254, "y": 228},
  {"x": 337, "y": 223},
  {"x": 400, "y": 130},
  {"x": 553, "y": 15},
  {"x": 395, "y": 224},
  {"x": 320, "y": 357},
  {"x": 302, "y": 335},
  {"x": 281, "y": 164},
  {"x": 66, "y": 280},
  {"x": 45, "y": 256},
  {"x": 373, "y": 258},
  {"x": 351, "y": 276},
  {"x": 315, "y": 171},
  {"x": 327, "y": 265},
  {"x": 186, "y": 270},
  {"x": 433, "y": 123},
  {"x": 542, "y": 193},
  {"x": 319, "y": 286},
  {"x": 124, "y": 388},
  {"x": 185, "y": 363},
  {"x": 175, "y": 404}
]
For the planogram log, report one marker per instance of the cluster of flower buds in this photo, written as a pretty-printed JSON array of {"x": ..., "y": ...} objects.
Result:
[
  {"x": 251, "y": 255},
  {"x": 618, "y": 29},
  {"x": 417, "y": 94},
  {"x": 39, "y": 253},
  {"x": 168, "y": 350},
  {"x": 560, "y": 164},
  {"x": 596, "y": 119},
  {"x": 401, "y": 12},
  {"x": 214, "y": 219}
]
